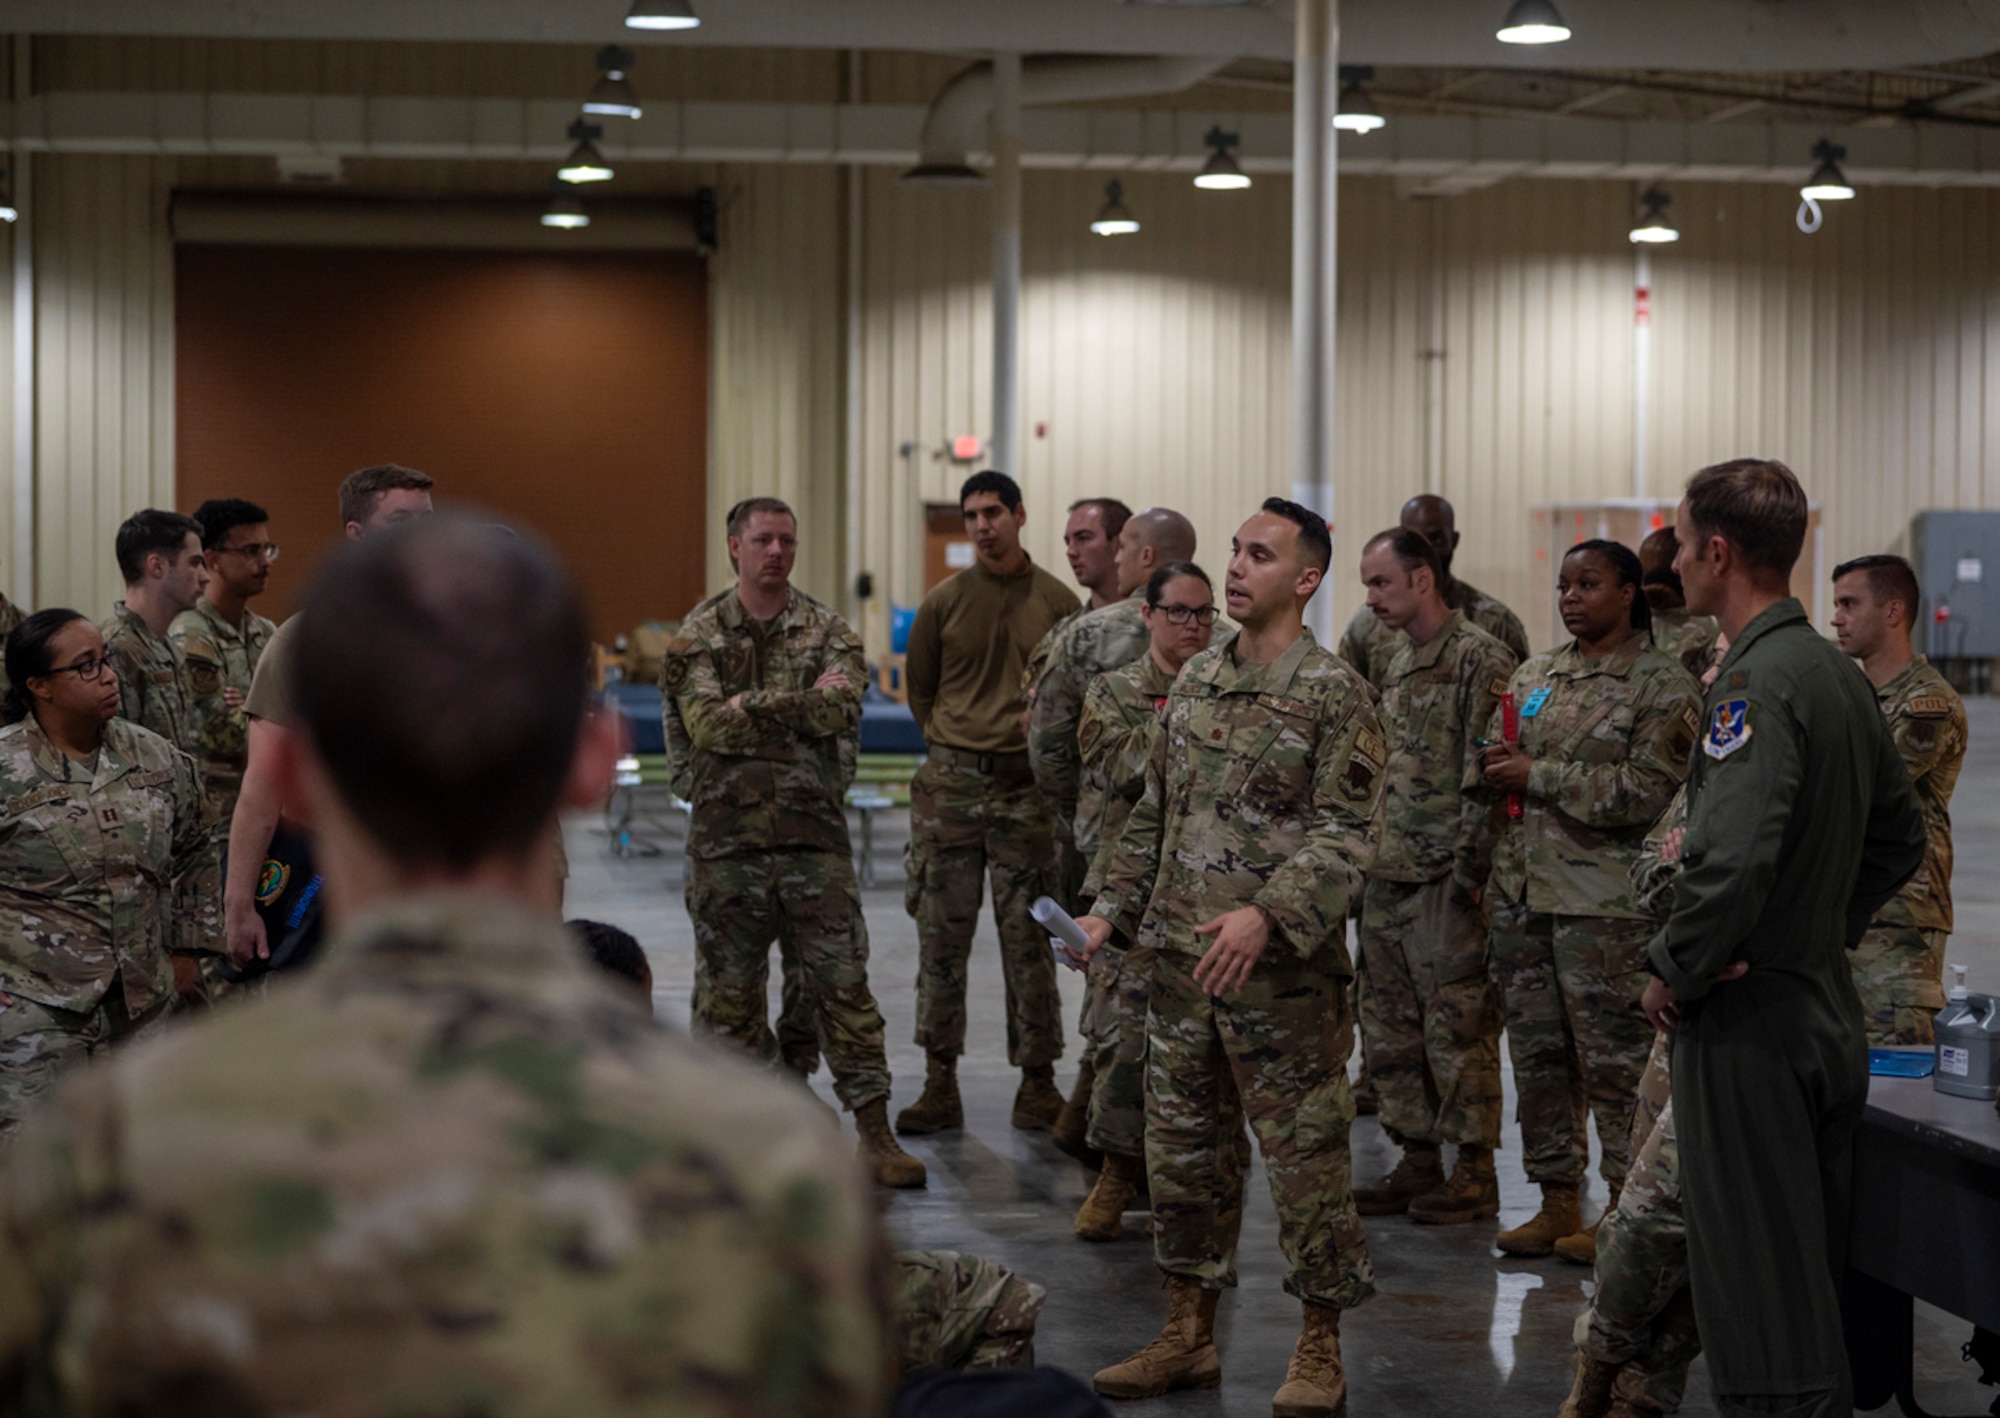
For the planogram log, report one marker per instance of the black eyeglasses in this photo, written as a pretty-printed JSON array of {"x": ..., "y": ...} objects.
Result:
[
  {"x": 268, "y": 551},
  {"x": 88, "y": 668},
  {"x": 1181, "y": 615}
]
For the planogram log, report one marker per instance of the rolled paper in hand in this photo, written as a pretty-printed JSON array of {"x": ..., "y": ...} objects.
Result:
[{"x": 1065, "y": 935}]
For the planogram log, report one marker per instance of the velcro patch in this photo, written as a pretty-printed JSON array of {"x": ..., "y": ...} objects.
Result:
[
  {"x": 1278, "y": 704},
  {"x": 162, "y": 677},
  {"x": 28, "y": 802},
  {"x": 1370, "y": 746},
  {"x": 674, "y": 671},
  {"x": 1692, "y": 720},
  {"x": 1728, "y": 729},
  {"x": 1358, "y": 782},
  {"x": 204, "y": 678},
  {"x": 151, "y": 778},
  {"x": 1497, "y": 688},
  {"x": 1930, "y": 706}
]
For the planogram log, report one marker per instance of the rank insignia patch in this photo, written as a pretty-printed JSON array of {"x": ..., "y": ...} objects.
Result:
[{"x": 1728, "y": 729}]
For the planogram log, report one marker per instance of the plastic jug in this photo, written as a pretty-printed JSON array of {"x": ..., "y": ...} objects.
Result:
[{"x": 1968, "y": 1043}]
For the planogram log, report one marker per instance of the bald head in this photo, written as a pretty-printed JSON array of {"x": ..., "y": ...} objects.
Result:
[
  {"x": 1431, "y": 518},
  {"x": 1149, "y": 541}
]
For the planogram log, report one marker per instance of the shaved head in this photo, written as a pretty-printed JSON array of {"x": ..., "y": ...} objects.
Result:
[
  {"x": 1431, "y": 518},
  {"x": 1150, "y": 540}
]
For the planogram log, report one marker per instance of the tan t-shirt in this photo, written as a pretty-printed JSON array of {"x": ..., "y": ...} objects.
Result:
[
  {"x": 270, "y": 696},
  {"x": 969, "y": 652}
]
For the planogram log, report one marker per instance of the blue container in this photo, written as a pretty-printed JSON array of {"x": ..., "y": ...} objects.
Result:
[{"x": 901, "y": 618}]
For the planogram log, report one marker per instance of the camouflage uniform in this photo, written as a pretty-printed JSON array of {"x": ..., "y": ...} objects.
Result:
[
  {"x": 1429, "y": 1019},
  {"x": 1071, "y": 656},
  {"x": 1899, "y": 965},
  {"x": 1641, "y": 1314},
  {"x": 1368, "y": 644},
  {"x": 152, "y": 688},
  {"x": 1121, "y": 716},
  {"x": 956, "y": 1311},
  {"x": 1259, "y": 792},
  {"x": 768, "y": 853},
  {"x": 1610, "y": 740},
  {"x": 467, "y": 1174},
  {"x": 11, "y": 615},
  {"x": 1687, "y": 638},
  {"x": 91, "y": 859},
  {"x": 216, "y": 656}
]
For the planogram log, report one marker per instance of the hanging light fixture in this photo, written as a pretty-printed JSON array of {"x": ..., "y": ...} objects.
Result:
[
  {"x": 1653, "y": 226},
  {"x": 1113, "y": 219},
  {"x": 1357, "y": 112},
  {"x": 661, "y": 15},
  {"x": 1828, "y": 183},
  {"x": 613, "y": 95},
  {"x": 8, "y": 211},
  {"x": 585, "y": 163},
  {"x": 565, "y": 209},
  {"x": 1533, "y": 22},
  {"x": 1220, "y": 173}
]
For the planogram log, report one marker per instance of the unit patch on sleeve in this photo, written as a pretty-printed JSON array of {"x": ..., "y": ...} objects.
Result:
[{"x": 1728, "y": 729}]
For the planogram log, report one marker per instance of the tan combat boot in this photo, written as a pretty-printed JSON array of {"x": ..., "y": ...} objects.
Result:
[
  {"x": 1581, "y": 1248},
  {"x": 1557, "y": 1218},
  {"x": 1420, "y": 1170},
  {"x": 1074, "y": 1119},
  {"x": 1471, "y": 1192},
  {"x": 1182, "y": 1357},
  {"x": 886, "y": 1162},
  {"x": 1101, "y": 1217},
  {"x": 1036, "y": 1102},
  {"x": 1590, "y": 1394},
  {"x": 939, "y": 1107},
  {"x": 1315, "y": 1381}
]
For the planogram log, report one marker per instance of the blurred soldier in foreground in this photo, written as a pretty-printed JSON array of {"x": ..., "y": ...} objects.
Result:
[
  {"x": 975, "y": 813},
  {"x": 1801, "y": 826},
  {"x": 466, "y": 1173},
  {"x": 762, "y": 697},
  {"x": 1430, "y": 1019},
  {"x": 1239, "y": 865},
  {"x": 1899, "y": 965}
]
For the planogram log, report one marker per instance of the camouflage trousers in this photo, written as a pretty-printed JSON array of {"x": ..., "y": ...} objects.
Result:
[
  {"x": 1114, "y": 1041},
  {"x": 1578, "y": 1038},
  {"x": 739, "y": 905},
  {"x": 39, "y": 1043},
  {"x": 1430, "y": 1022},
  {"x": 1899, "y": 971},
  {"x": 967, "y": 827},
  {"x": 199, "y": 983},
  {"x": 1274, "y": 1051},
  {"x": 1642, "y": 1314},
  {"x": 954, "y": 1311}
]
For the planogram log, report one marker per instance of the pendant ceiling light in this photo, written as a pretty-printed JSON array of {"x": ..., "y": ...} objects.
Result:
[
  {"x": 565, "y": 209},
  {"x": 1357, "y": 112},
  {"x": 613, "y": 95},
  {"x": 1112, "y": 218},
  {"x": 1653, "y": 226},
  {"x": 1221, "y": 173},
  {"x": 1828, "y": 183},
  {"x": 585, "y": 163},
  {"x": 1533, "y": 22},
  {"x": 661, "y": 15}
]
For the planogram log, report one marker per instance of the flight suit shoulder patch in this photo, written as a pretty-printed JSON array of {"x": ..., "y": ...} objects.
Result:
[
  {"x": 1729, "y": 729},
  {"x": 1930, "y": 706}
]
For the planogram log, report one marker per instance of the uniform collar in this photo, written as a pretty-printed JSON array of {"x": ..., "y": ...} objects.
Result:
[
  {"x": 56, "y": 766},
  {"x": 225, "y": 628},
  {"x": 1774, "y": 616},
  {"x": 1027, "y": 570},
  {"x": 136, "y": 623},
  {"x": 1272, "y": 678},
  {"x": 1900, "y": 682},
  {"x": 454, "y": 937},
  {"x": 1423, "y": 656},
  {"x": 733, "y": 615},
  {"x": 1571, "y": 661}
]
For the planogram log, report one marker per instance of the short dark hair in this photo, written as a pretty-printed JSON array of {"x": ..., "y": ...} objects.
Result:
[
  {"x": 439, "y": 676},
  {"x": 1113, "y": 513},
  {"x": 1315, "y": 542},
  {"x": 1661, "y": 547},
  {"x": 1889, "y": 579},
  {"x": 740, "y": 515},
  {"x": 999, "y": 484},
  {"x": 1411, "y": 550},
  {"x": 1757, "y": 505},
  {"x": 28, "y": 656},
  {"x": 219, "y": 516},
  {"x": 1625, "y": 563},
  {"x": 149, "y": 531},
  {"x": 614, "y": 950},
  {"x": 1156, "y": 584},
  {"x": 362, "y": 489}
]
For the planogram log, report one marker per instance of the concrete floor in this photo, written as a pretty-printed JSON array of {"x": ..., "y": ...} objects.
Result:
[{"x": 1455, "y": 1328}]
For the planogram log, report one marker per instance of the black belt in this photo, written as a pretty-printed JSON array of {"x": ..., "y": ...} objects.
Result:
[{"x": 1011, "y": 762}]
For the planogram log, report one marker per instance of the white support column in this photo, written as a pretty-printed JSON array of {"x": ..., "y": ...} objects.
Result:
[
  {"x": 21, "y": 566},
  {"x": 1006, "y": 130},
  {"x": 1315, "y": 204},
  {"x": 1642, "y": 362}
]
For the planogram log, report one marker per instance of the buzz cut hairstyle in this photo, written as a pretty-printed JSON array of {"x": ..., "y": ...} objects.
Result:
[
  {"x": 219, "y": 516},
  {"x": 148, "y": 531},
  {"x": 1110, "y": 510},
  {"x": 997, "y": 483},
  {"x": 613, "y": 950},
  {"x": 1315, "y": 542},
  {"x": 361, "y": 490},
  {"x": 1756, "y": 505},
  {"x": 1411, "y": 550},
  {"x": 740, "y": 515},
  {"x": 1889, "y": 579}
]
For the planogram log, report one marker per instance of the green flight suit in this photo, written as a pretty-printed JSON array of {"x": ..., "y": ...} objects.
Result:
[{"x": 1801, "y": 825}]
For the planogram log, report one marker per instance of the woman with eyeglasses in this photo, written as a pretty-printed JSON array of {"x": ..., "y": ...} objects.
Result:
[
  {"x": 1114, "y": 738},
  {"x": 99, "y": 821}
]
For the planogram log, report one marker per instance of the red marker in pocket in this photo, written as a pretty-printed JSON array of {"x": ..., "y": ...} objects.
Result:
[{"x": 1510, "y": 732}]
